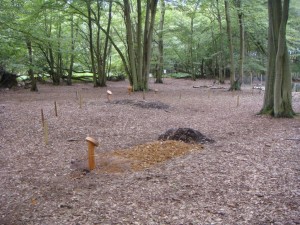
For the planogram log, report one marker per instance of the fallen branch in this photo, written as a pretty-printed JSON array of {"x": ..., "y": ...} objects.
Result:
[{"x": 293, "y": 139}]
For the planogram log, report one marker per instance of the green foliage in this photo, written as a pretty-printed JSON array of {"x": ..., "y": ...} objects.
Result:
[
  {"x": 180, "y": 75},
  {"x": 191, "y": 35}
]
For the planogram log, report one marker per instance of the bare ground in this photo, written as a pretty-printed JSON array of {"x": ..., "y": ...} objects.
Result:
[{"x": 249, "y": 175}]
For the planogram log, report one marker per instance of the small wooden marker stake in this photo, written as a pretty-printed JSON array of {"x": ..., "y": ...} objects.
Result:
[
  {"x": 109, "y": 93},
  {"x": 46, "y": 132},
  {"x": 91, "y": 152},
  {"x": 55, "y": 108},
  {"x": 43, "y": 119},
  {"x": 129, "y": 89},
  {"x": 80, "y": 100},
  {"x": 144, "y": 97}
]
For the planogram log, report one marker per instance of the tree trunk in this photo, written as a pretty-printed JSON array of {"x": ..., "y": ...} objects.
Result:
[
  {"x": 130, "y": 45},
  {"x": 220, "y": 57},
  {"x": 106, "y": 52},
  {"x": 161, "y": 43},
  {"x": 70, "y": 72},
  {"x": 278, "y": 98},
  {"x": 242, "y": 41},
  {"x": 148, "y": 34},
  {"x": 88, "y": 3},
  {"x": 30, "y": 71},
  {"x": 139, "y": 51},
  {"x": 233, "y": 83}
]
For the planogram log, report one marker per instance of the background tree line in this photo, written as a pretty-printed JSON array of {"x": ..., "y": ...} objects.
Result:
[{"x": 60, "y": 39}]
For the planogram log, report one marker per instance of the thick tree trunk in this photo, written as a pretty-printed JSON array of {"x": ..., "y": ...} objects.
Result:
[
  {"x": 148, "y": 34},
  {"x": 139, "y": 51},
  {"x": 277, "y": 99},
  {"x": 283, "y": 79}
]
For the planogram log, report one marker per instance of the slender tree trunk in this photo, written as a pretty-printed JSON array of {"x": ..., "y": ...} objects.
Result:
[
  {"x": 161, "y": 43},
  {"x": 130, "y": 45},
  {"x": 88, "y": 3},
  {"x": 191, "y": 47},
  {"x": 105, "y": 53},
  {"x": 70, "y": 72},
  {"x": 233, "y": 84},
  {"x": 220, "y": 57},
  {"x": 30, "y": 71},
  {"x": 242, "y": 41}
]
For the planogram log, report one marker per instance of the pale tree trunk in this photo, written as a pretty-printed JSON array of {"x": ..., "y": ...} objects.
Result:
[
  {"x": 161, "y": 43},
  {"x": 278, "y": 99},
  {"x": 233, "y": 85}
]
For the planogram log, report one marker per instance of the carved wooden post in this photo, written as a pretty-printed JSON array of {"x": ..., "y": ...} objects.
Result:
[{"x": 91, "y": 152}]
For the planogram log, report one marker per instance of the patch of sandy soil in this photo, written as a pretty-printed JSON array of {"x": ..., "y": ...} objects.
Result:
[{"x": 249, "y": 175}]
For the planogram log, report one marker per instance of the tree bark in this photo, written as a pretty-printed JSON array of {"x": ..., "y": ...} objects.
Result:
[
  {"x": 89, "y": 9},
  {"x": 242, "y": 41},
  {"x": 220, "y": 57},
  {"x": 233, "y": 84},
  {"x": 70, "y": 71},
  {"x": 278, "y": 98},
  {"x": 30, "y": 71},
  {"x": 161, "y": 43}
]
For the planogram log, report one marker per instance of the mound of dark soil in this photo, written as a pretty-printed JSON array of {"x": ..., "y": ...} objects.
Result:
[
  {"x": 186, "y": 135},
  {"x": 143, "y": 104}
]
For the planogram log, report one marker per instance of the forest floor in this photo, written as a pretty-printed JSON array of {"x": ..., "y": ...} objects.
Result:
[{"x": 249, "y": 175}]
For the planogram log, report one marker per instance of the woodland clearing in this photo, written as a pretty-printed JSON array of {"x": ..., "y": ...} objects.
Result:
[{"x": 249, "y": 175}]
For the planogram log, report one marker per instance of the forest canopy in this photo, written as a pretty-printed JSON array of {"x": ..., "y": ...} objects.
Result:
[{"x": 62, "y": 39}]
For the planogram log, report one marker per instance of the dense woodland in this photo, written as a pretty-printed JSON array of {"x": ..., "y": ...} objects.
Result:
[{"x": 69, "y": 40}]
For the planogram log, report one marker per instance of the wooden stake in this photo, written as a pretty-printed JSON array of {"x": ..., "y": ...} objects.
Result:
[
  {"x": 91, "y": 152},
  {"x": 55, "y": 108},
  {"x": 43, "y": 119},
  {"x": 80, "y": 100},
  {"x": 129, "y": 89},
  {"x": 46, "y": 132},
  {"x": 144, "y": 97}
]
